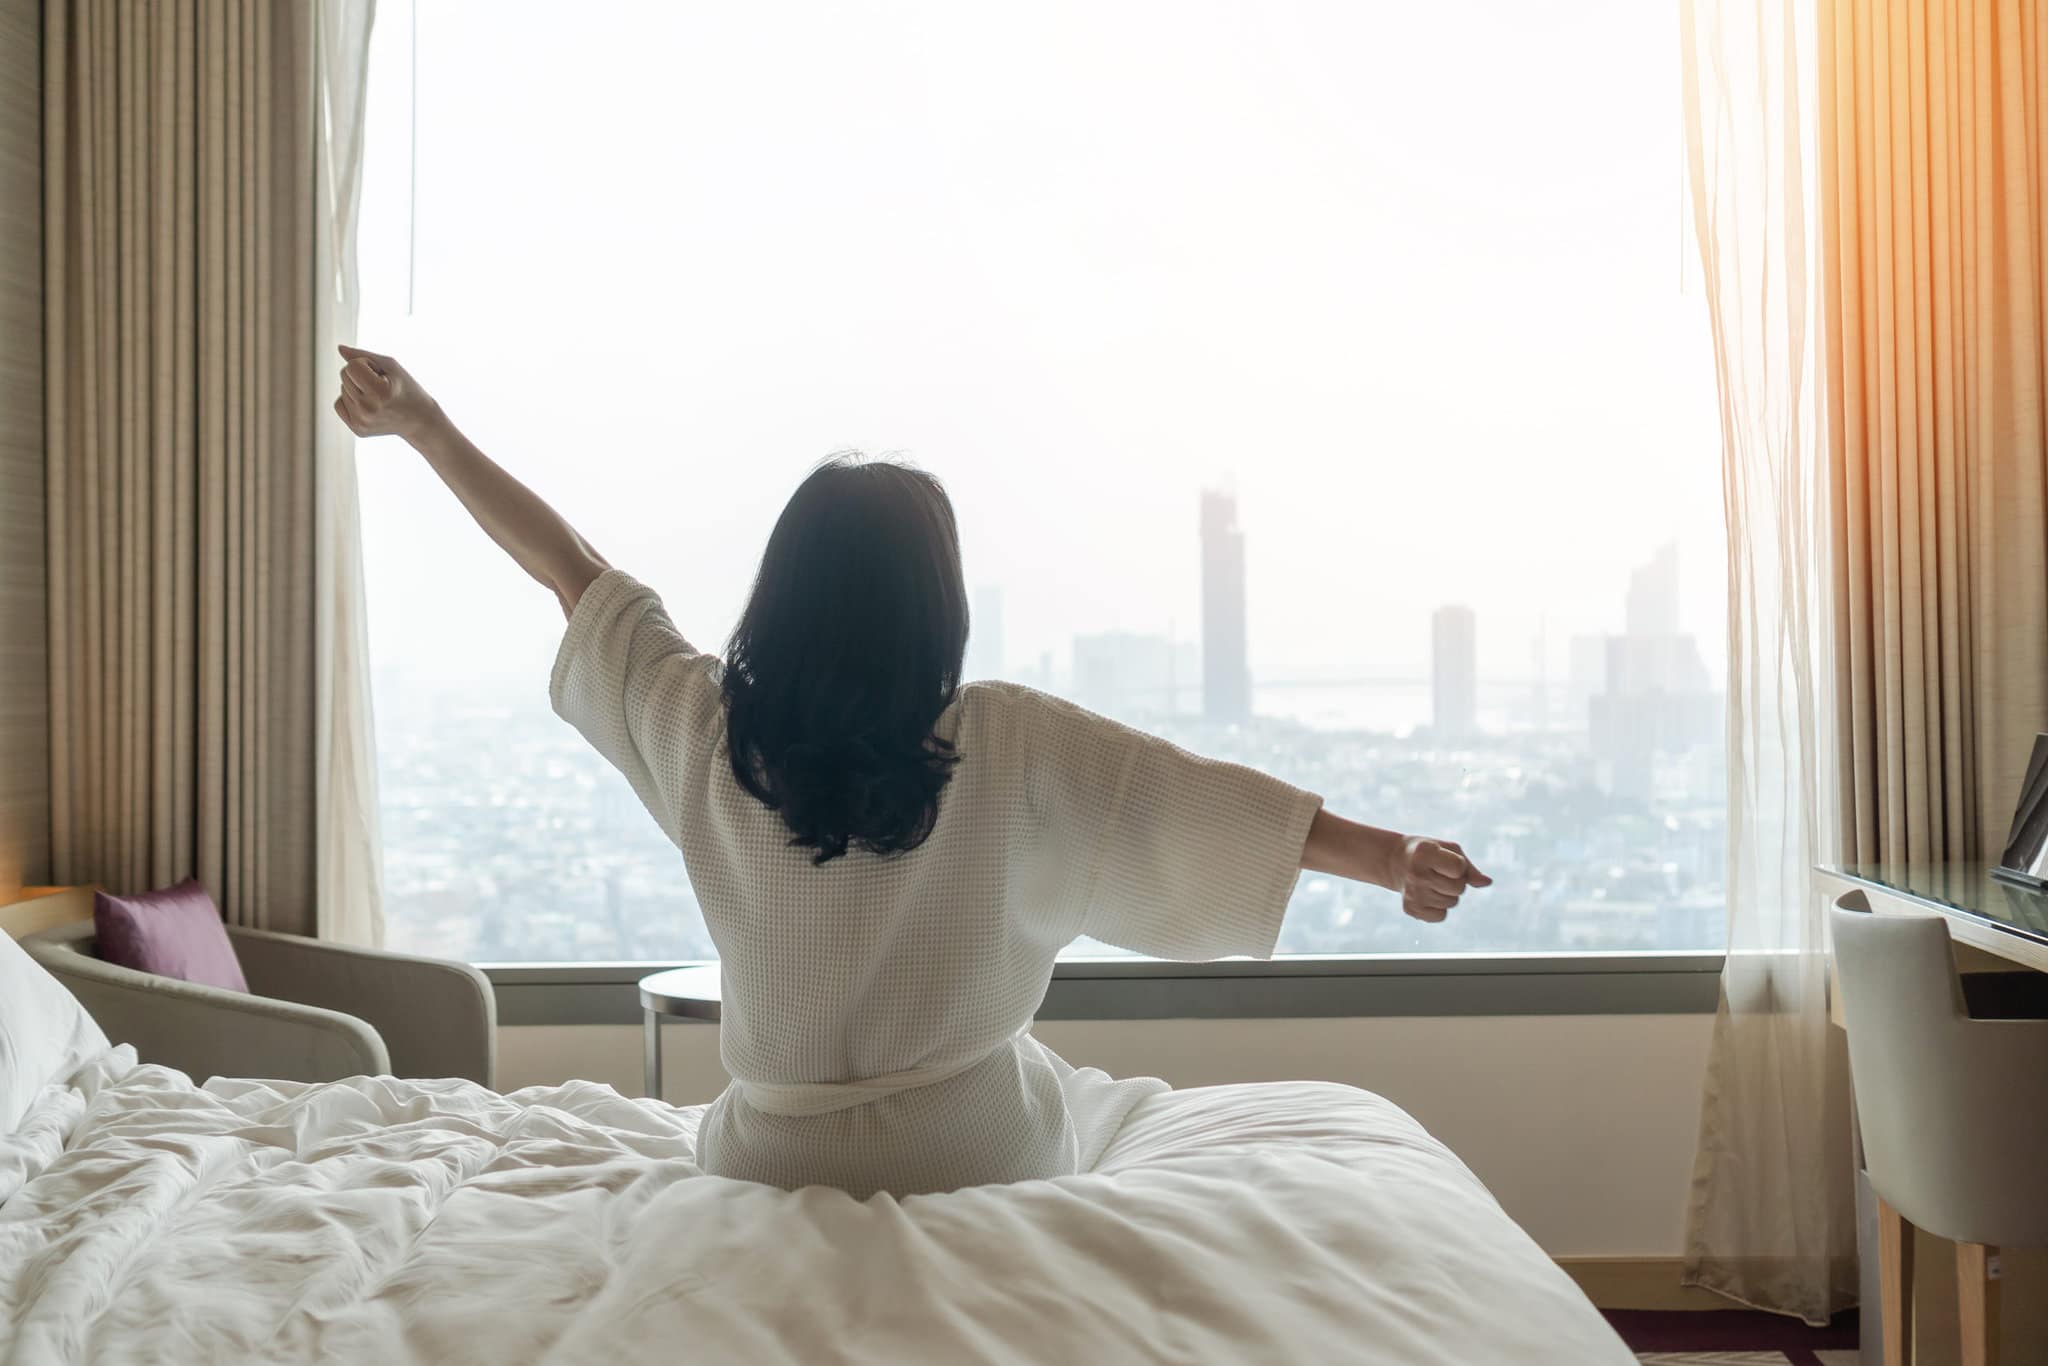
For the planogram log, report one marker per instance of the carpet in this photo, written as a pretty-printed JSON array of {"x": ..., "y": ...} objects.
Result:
[{"x": 1734, "y": 1337}]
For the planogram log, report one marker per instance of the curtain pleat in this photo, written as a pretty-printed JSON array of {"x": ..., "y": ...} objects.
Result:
[
  {"x": 180, "y": 160},
  {"x": 1935, "y": 358}
]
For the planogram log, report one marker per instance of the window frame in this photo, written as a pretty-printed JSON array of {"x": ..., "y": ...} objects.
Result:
[
  {"x": 1651, "y": 981},
  {"x": 1680, "y": 982}
]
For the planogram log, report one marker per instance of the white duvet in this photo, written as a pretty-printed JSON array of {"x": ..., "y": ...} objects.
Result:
[{"x": 143, "y": 1218}]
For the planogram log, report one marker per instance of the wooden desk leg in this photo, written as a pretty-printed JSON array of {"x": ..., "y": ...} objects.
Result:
[
  {"x": 1895, "y": 1260},
  {"x": 1977, "y": 1302}
]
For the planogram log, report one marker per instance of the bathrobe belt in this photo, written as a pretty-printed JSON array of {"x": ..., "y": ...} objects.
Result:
[{"x": 800, "y": 1098}]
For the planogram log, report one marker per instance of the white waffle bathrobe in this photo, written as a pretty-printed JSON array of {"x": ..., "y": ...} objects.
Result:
[{"x": 876, "y": 1008}]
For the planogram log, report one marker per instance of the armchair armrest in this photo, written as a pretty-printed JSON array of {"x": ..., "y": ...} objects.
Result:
[
  {"x": 207, "y": 1032},
  {"x": 437, "y": 1018}
]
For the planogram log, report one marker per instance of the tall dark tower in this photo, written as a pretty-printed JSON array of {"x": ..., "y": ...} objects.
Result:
[{"x": 1226, "y": 671}]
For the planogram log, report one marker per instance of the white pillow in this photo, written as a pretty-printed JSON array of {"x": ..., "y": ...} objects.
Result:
[{"x": 45, "y": 1034}]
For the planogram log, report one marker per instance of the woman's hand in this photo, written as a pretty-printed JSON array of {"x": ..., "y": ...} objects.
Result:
[
  {"x": 379, "y": 398},
  {"x": 1431, "y": 875}
]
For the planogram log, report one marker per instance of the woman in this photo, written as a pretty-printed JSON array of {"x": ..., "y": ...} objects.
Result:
[{"x": 887, "y": 860}]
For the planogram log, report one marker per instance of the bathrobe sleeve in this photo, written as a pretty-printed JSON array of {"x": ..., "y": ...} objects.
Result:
[
  {"x": 644, "y": 697},
  {"x": 1160, "y": 851}
]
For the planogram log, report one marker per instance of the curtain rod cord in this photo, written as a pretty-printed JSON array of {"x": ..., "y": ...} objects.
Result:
[{"x": 412, "y": 196}]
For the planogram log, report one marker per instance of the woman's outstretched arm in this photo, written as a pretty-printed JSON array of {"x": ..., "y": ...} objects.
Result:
[
  {"x": 1429, "y": 874},
  {"x": 379, "y": 398}
]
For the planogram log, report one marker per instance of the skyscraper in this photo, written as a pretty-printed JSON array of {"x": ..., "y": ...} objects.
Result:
[
  {"x": 1226, "y": 669},
  {"x": 1454, "y": 672},
  {"x": 1652, "y": 607},
  {"x": 1658, "y": 698},
  {"x": 985, "y": 634},
  {"x": 1587, "y": 676},
  {"x": 1653, "y": 655}
]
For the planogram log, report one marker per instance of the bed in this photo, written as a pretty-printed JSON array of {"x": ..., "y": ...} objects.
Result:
[{"x": 144, "y": 1217}]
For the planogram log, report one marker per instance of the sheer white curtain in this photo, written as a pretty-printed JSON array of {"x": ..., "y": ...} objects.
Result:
[
  {"x": 349, "y": 869},
  {"x": 1771, "y": 1221}
]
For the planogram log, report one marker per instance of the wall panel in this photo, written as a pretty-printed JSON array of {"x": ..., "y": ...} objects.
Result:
[{"x": 24, "y": 700}]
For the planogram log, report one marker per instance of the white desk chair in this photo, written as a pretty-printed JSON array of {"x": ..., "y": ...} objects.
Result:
[{"x": 1954, "y": 1113}]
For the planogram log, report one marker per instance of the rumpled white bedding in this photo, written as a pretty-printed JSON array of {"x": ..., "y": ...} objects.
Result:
[{"x": 143, "y": 1218}]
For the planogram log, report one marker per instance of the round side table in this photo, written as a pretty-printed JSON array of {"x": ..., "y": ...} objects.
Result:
[{"x": 676, "y": 994}]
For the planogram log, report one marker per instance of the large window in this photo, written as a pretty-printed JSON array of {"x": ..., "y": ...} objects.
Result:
[{"x": 1317, "y": 385}]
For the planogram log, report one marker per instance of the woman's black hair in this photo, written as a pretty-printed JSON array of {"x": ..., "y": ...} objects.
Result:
[{"x": 850, "y": 647}]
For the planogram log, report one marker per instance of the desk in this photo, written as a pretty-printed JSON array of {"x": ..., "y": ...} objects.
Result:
[
  {"x": 2000, "y": 919},
  {"x": 1995, "y": 927}
]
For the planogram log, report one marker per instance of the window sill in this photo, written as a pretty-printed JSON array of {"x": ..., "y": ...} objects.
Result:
[{"x": 1680, "y": 983}]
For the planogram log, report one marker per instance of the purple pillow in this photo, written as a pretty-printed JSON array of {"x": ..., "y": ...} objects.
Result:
[{"x": 172, "y": 932}]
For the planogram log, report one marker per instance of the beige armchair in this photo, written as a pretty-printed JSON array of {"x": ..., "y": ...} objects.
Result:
[{"x": 313, "y": 1012}]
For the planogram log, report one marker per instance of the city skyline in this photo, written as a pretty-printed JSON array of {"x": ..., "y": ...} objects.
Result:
[
  {"x": 509, "y": 840},
  {"x": 1635, "y": 691}
]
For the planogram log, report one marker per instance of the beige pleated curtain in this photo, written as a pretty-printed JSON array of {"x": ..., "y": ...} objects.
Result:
[
  {"x": 184, "y": 152},
  {"x": 1934, "y": 146}
]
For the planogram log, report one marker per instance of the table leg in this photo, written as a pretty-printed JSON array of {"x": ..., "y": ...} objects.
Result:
[{"x": 651, "y": 1055}]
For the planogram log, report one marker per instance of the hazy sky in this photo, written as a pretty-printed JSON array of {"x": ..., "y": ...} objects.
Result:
[{"x": 1411, "y": 276}]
